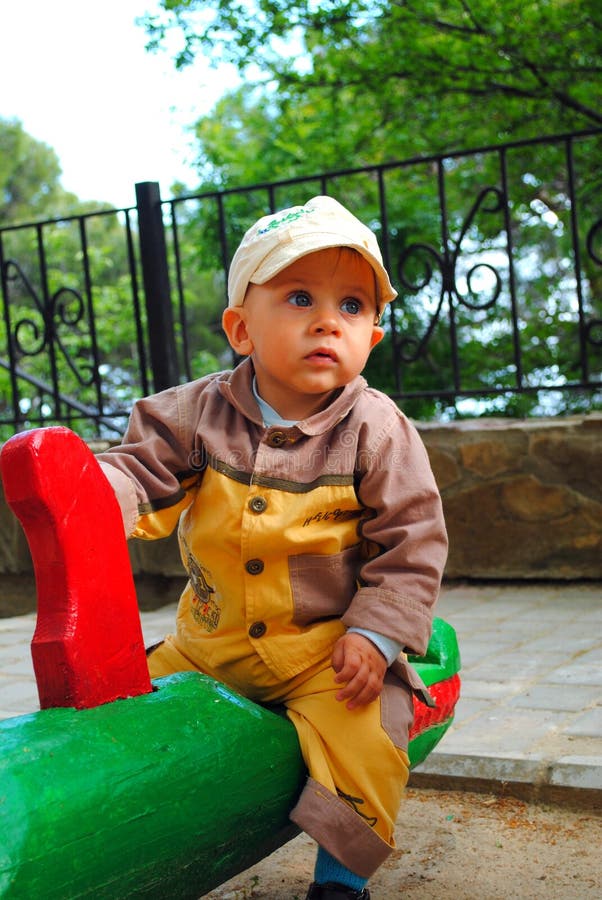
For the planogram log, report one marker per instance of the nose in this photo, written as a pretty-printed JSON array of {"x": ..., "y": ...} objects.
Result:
[{"x": 325, "y": 321}]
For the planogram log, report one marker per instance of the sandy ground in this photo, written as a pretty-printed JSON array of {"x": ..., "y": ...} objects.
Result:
[{"x": 458, "y": 845}]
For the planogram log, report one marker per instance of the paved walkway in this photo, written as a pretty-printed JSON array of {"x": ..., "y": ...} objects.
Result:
[
  {"x": 531, "y": 707},
  {"x": 530, "y": 711}
]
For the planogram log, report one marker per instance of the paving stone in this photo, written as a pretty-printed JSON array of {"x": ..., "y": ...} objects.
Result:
[
  {"x": 518, "y": 730},
  {"x": 482, "y": 766},
  {"x": 491, "y": 690},
  {"x": 565, "y": 645},
  {"x": 588, "y": 724},
  {"x": 18, "y": 696},
  {"x": 578, "y": 673},
  {"x": 581, "y": 772},
  {"x": 557, "y": 696},
  {"x": 474, "y": 652},
  {"x": 468, "y": 707},
  {"x": 18, "y": 667},
  {"x": 516, "y": 664}
]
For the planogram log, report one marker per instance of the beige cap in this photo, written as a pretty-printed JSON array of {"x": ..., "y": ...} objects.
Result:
[{"x": 277, "y": 240}]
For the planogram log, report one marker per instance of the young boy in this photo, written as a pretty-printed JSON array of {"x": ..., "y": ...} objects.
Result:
[{"x": 308, "y": 521}]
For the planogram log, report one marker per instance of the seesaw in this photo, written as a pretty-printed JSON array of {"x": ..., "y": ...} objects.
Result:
[{"x": 119, "y": 788}]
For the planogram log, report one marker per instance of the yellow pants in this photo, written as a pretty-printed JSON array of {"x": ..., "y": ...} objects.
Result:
[{"x": 357, "y": 759}]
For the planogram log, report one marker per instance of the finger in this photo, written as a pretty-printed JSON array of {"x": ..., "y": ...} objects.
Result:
[
  {"x": 352, "y": 665},
  {"x": 338, "y": 656},
  {"x": 354, "y": 685},
  {"x": 365, "y": 687},
  {"x": 368, "y": 695}
]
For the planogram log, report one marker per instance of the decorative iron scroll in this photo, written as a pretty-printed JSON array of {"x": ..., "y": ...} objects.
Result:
[
  {"x": 593, "y": 328},
  {"x": 411, "y": 348},
  {"x": 66, "y": 307}
]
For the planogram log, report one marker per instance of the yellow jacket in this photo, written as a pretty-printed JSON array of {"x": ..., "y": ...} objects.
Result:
[{"x": 288, "y": 535}]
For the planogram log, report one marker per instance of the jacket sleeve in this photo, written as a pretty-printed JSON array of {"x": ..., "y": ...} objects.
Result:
[
  {"x": 405, "y": 535},
  {"x": 153, "y": 470}
]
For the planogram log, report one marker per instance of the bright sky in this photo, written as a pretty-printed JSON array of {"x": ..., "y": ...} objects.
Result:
[{"x": 76, "y": 74}]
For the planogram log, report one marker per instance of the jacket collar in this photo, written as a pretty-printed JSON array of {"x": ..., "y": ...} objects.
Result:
[{"x": 237, "y": 387}]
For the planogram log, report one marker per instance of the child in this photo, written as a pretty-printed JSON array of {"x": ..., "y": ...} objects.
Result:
[{"x": 308, "y": 521}]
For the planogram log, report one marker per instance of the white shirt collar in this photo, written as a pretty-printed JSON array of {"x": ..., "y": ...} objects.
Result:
[{"x": 269, "y": 415}]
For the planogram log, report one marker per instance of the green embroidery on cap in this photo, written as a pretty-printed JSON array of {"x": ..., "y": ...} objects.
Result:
[{"x": 284, "y": 220}]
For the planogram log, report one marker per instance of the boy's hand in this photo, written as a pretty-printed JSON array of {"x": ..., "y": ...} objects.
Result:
[{"x": 360, "y": 666}]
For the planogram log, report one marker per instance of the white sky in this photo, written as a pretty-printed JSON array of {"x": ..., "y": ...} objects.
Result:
[{"x": 76, "y": 74}]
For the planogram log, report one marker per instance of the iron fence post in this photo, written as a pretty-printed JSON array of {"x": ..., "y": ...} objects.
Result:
[{"x": 155, "y": 277}]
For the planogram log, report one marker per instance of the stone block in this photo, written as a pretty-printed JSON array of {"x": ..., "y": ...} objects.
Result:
[
  {"x": 445, "y": 467},
  {"x": 489, "y": 458}
]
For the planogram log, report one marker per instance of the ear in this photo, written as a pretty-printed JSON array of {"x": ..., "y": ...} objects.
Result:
[
  {"x": 235, "y": 325},
  {"x": 378, "y": 334}
]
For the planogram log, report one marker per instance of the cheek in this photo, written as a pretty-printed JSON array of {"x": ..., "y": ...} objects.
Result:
[
  {"x": 273, "y": 346},
  {"x": 364, "y": 342}
]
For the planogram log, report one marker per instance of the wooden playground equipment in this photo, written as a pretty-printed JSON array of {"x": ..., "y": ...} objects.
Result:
[{"x": 119, "y": 787}]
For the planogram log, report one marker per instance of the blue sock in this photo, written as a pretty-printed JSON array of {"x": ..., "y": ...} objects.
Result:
[{"x": 330, "y": 869}]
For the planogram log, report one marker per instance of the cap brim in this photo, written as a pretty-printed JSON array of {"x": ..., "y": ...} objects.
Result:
[{"x": 277, "y": 260}]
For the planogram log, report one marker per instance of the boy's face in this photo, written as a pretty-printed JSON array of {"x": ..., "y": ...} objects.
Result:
[{"x": 309, "y": 329}]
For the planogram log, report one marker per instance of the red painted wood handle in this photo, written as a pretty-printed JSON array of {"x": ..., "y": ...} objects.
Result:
[{"x": 88, "y": 647}]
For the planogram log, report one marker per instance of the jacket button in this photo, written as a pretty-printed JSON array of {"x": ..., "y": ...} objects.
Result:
[
  {"x": 258, "y": 504},
  {"x": 254, "y": 567},
  {"x": 257, "y": 629},
  {"x": 276, "y": 439}
]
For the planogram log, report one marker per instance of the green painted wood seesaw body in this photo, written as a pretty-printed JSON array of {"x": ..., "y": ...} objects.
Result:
[{"x": 119, "y": 788}]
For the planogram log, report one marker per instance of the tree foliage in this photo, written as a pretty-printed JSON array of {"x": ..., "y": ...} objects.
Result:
[
  {"x": 30, "y": 172},
  {"x": 417, "y": 75},
  {"x": 64, "y": 312},
  {"x": 342, "y": 84},
  {"x": 69, "y": 297}
]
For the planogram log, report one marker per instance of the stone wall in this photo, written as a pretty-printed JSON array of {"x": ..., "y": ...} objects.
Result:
[{"x": 522, "y": 499}]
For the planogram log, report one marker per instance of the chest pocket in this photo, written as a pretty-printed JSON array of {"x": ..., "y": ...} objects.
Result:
[{"x": 323, "y": 585}]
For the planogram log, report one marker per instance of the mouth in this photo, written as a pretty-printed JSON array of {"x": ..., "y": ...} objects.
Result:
[{"x": 322, "y": 354}]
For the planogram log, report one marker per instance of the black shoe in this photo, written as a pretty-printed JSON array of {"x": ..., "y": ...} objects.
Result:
[{"x": 333, "y": 891}]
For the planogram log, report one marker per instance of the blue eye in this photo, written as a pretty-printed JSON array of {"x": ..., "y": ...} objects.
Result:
[
  {"x": 351, "y": 306},
  {"x": 299, "y": 298}
]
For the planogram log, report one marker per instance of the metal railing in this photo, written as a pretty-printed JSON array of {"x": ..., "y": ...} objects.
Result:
[
  {"x": 65, "y": 282},
  {"x": 496, "y": 253}
]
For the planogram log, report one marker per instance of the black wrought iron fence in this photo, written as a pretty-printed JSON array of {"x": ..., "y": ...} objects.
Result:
[
  {"x": 496, "y": 253},
  {"x": 73, "y": 345}
]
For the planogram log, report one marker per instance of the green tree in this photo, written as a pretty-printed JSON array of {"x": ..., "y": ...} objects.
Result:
[
  {"x": 408, "y": 70},
  {"x": 30, "y": 174},
  {"x": 68, "y": 297},
  {"x": 343, "y": 84},
  {"x": 52, "y": 286}
]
